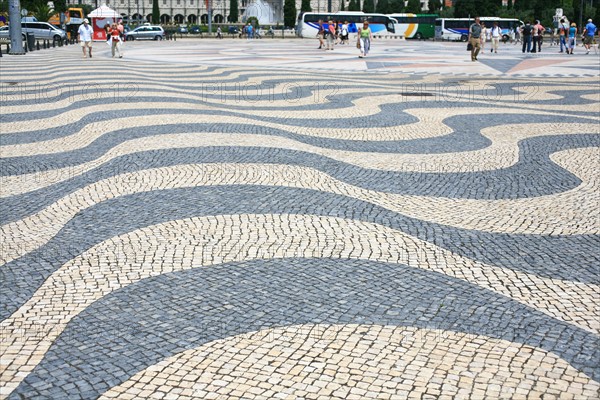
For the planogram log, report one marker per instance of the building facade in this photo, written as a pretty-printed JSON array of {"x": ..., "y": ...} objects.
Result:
[{"x": 195, "y": 11}]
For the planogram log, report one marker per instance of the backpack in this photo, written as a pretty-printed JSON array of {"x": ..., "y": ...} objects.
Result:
[{"x": 527, "y": 30}]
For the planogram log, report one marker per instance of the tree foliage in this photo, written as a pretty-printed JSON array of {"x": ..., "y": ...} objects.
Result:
[
  {"x": 396, "y": 6},
  {"x": 434, "y": 6},
  {"x": 42, "y": 12},
  {"x": 383, "y": 7},
  {"x": 234, "y": 11},
  {"x": 354, "y": 5},
  {"x": 368, "y": 6},
  {"x": 413, "y": 6},
  {"x": 289, "y": 13},
  {"x": 155, "y": 12},
  {"x": 305, "y": 6}
]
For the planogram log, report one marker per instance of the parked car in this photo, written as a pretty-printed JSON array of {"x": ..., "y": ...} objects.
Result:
[
  {"x": 40, "y": 30},
  {"x": 182, "y": 29},
  {"x": 195, "y": 30},
  {"x": 152, "y": 32},
  {"x": 233, "y": 30}
]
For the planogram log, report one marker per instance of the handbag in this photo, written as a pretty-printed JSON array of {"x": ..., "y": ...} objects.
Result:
[
  {"x": 469, "y": 47},
  {"x": 358, "y": 45}
]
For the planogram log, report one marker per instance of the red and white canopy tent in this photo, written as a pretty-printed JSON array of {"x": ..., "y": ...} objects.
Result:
[{"x": 99, "y": 18}]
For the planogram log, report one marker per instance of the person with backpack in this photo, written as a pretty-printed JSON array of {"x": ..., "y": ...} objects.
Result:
[
  {"x": 563, "y": 30},
  {"x": 526, "y": 31},
  {"x": 475, "y": 38},
  {"x": 496, "y": 35},
  {"x": 344, "y": 33}
]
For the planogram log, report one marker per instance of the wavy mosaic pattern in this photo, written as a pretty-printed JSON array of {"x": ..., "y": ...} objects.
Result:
[{"x": 205, "y": 232}]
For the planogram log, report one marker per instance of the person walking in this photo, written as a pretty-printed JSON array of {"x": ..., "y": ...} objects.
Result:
[
  {"x": 85, "y": 33},
  {"x": 483, "y": 36},
  {"x": 249, "y": 31},
  {"x": 219, "y": 33},
  {"x": 321, "y": 34},
  {"x": 588, "y": 35},
  {"x": 572, "y": 40},
  {"x": 496, "y": 35},
  {"x": 330, "y": 35},
  {"x": 115, "y": 36},
  {"x": 475, "y": 38},
  {"x": 364, "y": 39},
  {"x": 563, "y": 30},
  {"x": 526, "y": 31}
]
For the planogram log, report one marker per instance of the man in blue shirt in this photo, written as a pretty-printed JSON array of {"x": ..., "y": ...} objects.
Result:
[{"x": 588, "y": 35}]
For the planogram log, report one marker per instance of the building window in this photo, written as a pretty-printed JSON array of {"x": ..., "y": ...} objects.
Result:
[
  {"x": 164, "y": 2},
  {"x": 191, "y": 2},
  {"x": 178, "y": 2}
]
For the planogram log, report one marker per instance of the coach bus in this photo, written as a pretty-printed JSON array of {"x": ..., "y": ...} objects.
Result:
[
  {"x": 417, "y": 26},
  {"x": 381, "y": 25},
  {"x": 458, "y": 28}
]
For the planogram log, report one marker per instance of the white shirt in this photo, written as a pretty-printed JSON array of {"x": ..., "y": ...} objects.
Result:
[
  {"x": 85, "y": 34},
  {"x": 496, "y": 31}
]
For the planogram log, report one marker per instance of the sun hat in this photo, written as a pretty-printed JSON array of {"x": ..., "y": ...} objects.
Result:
[
  {"x": 573, "y": 24},
  {"x": 86, "y": 21}
]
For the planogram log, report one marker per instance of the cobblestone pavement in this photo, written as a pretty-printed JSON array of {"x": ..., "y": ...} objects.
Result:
[{"x": 257, "y": 220}]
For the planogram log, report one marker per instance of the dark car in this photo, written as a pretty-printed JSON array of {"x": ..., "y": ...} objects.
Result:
[
  {"x": 233, "y": 30},
  {"x": 195, "y": 30},
  {"x": 182, "y": 29}
]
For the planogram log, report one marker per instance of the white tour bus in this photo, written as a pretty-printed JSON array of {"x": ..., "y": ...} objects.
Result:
[
  {"x": 381, "y": 25},
  {"x": 458, "y": 28}
]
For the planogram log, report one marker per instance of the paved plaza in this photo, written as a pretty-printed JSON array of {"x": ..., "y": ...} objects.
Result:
[{"x": 208, "y": 219}]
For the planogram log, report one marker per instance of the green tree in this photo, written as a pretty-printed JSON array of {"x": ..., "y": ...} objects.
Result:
[
  {"x": 396, "y": 6},
  {"x": 155, "y": 12},
  {"x": 289, "y": 13},
  {"x": 60, "y": 6},
  {"x": 342, "y": 8},
  {"x": 465, "y": 8},
  {"x": 434, "y": 6},
  {"x": 42, "y": 12},
  {"x": 354, "y": 5},
  {"x": 4, "y": 6},
  {"x": 234, "y": 12},
  {"x": 413, "y": 6},
  {"x": 368, "y": 6},
  {"x": 305, "y": 6},
  {"x": 383, "y": 7},
  {"x": 509, "y": 5}
]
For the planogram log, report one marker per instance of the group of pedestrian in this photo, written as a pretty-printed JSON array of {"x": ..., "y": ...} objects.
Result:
[
  {"x": 115, "y": 35},
  {"x": 334, "y": 33},
  {"x": 478, "y": 34},
  {"x": 531, "y": 36}
]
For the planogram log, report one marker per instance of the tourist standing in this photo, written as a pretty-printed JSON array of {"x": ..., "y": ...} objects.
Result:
[
  {"x": 538, "y": 37},
  {"x": 364, "y": 39},
  {"x": 526, "y": 31},
  {"x": 588, "y": 35},
  {"x": 475, "y": 38},
  {"x": 85, "y": 33},
  {"x": 249, "y": 31}
]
